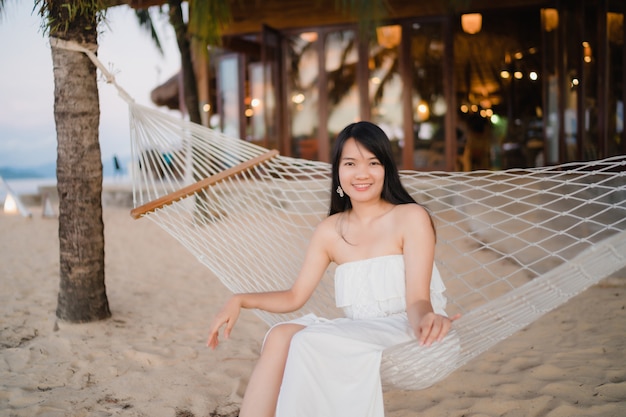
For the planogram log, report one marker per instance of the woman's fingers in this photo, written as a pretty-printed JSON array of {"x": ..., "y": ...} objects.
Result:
[
  {"x": 213, "y": 337},
  {"x": 434, "y": 328},
  {"x": 218, "y": 322},
  {"x": 228, "y": 316},
  {"x": 212, "y": 341},
  {"x": 425, "y": 329}
]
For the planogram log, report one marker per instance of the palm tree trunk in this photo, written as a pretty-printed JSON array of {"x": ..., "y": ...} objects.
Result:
[
  {"x": 189, "y": 76},
  {"x": 82, "y": 295}
]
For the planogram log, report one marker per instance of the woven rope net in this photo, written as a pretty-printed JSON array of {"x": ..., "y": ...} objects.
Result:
[{"x": 512, "y": 245}]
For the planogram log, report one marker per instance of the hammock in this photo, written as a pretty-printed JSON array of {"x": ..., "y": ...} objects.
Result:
[{"x": 512, "y": 245}]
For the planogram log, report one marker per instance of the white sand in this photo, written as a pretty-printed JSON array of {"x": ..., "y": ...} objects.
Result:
[{"x": 150, "y": 358}]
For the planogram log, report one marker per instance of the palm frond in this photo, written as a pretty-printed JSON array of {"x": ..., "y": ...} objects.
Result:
[
  {"x": 146, "y": 23},
  {"x": 206, "y": 20}
]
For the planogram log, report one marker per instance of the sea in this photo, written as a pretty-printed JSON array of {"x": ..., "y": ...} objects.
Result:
[
  {"x": 26, "y": 186},
  {"x": 31, "y": 186},
  {"x": 28, "y": 180}
]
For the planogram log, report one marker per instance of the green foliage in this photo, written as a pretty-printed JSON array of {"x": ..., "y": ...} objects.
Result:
[
  {"x": 369, "y": 13},
  {"x": 58, "y": 17},
  {"x": 206, "y": 20}
]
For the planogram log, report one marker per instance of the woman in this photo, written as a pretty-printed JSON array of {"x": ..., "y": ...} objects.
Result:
[{"x": 383, "y": 243}]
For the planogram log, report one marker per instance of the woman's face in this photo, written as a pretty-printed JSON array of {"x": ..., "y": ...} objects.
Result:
[{"x": 361, "y": 174}]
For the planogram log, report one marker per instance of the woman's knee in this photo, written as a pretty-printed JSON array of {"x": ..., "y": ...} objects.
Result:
[{"x": 279, "y": 336}]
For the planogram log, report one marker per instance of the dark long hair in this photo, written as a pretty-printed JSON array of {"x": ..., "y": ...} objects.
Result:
[{"x": 376, "y": 141}]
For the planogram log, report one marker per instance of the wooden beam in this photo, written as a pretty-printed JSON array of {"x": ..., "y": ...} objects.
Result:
[{"x": 204, "y": 183}]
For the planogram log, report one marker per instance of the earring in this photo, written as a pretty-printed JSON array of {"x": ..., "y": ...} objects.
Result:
[{"x": 340, "y": 191}]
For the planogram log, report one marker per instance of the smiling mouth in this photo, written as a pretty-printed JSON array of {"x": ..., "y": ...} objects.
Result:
[{"x": 361, "y": 187}]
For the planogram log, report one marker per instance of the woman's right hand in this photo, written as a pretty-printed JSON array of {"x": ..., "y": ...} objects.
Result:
[{"x": 227, "y": 316}]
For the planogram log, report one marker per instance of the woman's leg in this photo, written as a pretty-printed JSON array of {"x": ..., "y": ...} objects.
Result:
[{"x": 264, "y": 384}]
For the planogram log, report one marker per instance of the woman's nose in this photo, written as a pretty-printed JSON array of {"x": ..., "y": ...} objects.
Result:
[{"x": 362, "y": 171}]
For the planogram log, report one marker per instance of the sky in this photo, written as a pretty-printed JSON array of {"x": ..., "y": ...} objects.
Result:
[{"x": 27, "y": 130}]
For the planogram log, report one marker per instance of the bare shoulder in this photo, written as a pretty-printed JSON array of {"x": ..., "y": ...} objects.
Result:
[
  {"x": 415, "y": 226},
  {"x": 411, "y": 212},
  {"x": 327, "y": 228},
  {"x": 412, "y": 216}
]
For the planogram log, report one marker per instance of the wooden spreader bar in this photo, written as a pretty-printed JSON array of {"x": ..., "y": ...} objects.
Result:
[{"x": 184, "y": 192}]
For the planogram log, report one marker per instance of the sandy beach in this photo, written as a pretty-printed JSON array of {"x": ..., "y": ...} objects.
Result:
[{"x": 150, "y": 358}]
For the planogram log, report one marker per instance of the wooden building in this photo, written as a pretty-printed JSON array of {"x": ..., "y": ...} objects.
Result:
[{"x": 456, "y": 84}]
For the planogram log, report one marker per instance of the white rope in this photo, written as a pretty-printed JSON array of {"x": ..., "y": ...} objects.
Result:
[
  {"x": 512, "y": 245},
  {"x": 90, "y": 50}
]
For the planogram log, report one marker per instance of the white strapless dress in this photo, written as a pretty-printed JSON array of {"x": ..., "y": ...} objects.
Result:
[{"x": 333, "y": 366}]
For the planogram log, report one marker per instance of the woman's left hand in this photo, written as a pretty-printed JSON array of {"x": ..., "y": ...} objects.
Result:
[{"x": 433, "y": 328}]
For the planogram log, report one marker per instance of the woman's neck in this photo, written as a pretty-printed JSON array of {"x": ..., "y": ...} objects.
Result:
[{"x": 368, "y": 212}]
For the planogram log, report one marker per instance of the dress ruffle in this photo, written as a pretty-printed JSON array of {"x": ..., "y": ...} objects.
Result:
[{"x": 375, "y": 287}]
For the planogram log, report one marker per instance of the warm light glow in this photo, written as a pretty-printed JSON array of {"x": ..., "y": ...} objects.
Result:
[
  {"x": 298, "y": 98},
  {"x": 550, "y": 19},
  {"x": 206, "y": 108},
  {"x": 423, "y": 112},
  {"x": 471, "y": 23},
  {"x": 474, "y": 108},
  {"x": 518, "y": 75},
  {"x": 309, "y": 37},
  {"x": 249, "y": 112},
  {"x": 255, "y": 102},
  {"x": 505, "y": 74},
  {"x": 10, "y": 205},
  {"x": 464, "y": 108},
  {"x": 439, "y": 106},
  {"x": 574, "y": 82},
  {"x": 375, "y": 80},
  {"x": 389, "y": 36},
  {"x": 533, "y": 76},
  {"x": 519, "y": 55},
  {"x": 587, "y": 52}
]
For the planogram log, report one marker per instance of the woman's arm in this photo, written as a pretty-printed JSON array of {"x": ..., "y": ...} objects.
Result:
[
  {"x": 419, "y": 254},
  {"x": 315, "y": 263}
]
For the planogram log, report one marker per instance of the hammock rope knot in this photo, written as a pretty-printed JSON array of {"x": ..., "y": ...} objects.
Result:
[{"x": 90, "y": 50}]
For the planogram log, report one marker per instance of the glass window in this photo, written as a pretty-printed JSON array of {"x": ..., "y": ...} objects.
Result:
[
  {"x": 303, "y": 94},
  {"x": 549, "y": 81},
  {"x": 385, "y": 85},
  {"x": 615, "y": 109},
  {"x": 498, "y": 76},
  {"x": 229, "y": 95},
  {"x": 341, "y": 54},
  {"x": 428, "y": 105},
  {"x": 255, "y": 105}
]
